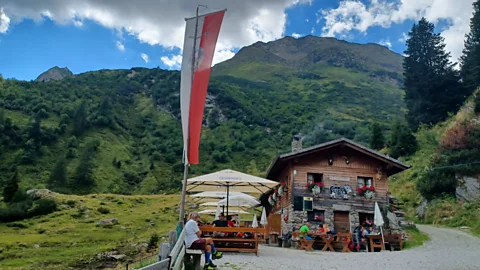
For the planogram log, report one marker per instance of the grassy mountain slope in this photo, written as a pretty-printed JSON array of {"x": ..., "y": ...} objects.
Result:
[
  {"x": 443, "y": 210},
  {"x": 70, "y": 236},
  {"x": 321, "y": 88}
]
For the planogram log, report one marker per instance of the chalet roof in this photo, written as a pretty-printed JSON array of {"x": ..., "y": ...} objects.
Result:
[{"x": 343, "y": 141}]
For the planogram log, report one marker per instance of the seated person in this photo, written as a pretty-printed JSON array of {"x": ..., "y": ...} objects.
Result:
[
  {"x": 220, "y": 222},
  {"x": 193, "y": 241},
  {"x": 305, "y": 231}
]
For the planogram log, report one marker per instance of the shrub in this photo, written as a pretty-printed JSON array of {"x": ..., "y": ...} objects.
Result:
[
  {"x": 103, "y": 210},
  {"x": 41, "y": 231},
  {"x": 71, "y": 203},
  {"x": 17, "y": 225},
  {"x": 477, "y": 103},
  {"x": 152, "y": 243},
  {"x": 42, "y": 207}
]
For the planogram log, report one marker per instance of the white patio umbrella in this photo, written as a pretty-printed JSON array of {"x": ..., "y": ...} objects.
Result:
[
  {"x": 214, "y": 211},
  {"x": 216, "y": 203},
  {"x": 219, "y": 210},
  {"x": 255, "y": 222},
  {"x": 230, "y": 180},
  {"x": 378, "y": 221},
  {"x": 239, "y": 200},
  {"x": 263, "y": 219}
]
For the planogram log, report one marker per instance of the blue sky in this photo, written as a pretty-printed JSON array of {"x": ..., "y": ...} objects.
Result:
[{"x": 39, "y": 35}]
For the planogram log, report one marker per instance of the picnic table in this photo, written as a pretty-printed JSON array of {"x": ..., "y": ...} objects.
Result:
[
  {"x": 375, "y": 241},
  {"x": 327, "y": 240},
  {"x": 234, "y": 244}
]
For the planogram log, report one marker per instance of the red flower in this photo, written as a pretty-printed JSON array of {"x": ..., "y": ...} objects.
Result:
[
  {"x": 364, "y": 188},
  {"x": 372, "y": 188},
  {"x": 308, "y": 185},
  {"x": 321, "y": 184},
  {"x": 359, "y": 190}
]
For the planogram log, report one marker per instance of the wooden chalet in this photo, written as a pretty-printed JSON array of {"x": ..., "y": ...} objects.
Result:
[{"x": 350, "y": 178}]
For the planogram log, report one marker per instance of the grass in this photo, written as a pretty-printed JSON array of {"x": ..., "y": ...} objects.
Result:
[
  {"x": 71, "y": 238},
  {"x": 415, "y": 238}
]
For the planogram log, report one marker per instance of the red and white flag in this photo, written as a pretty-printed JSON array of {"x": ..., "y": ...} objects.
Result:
[{"x": 196, "y": 66}]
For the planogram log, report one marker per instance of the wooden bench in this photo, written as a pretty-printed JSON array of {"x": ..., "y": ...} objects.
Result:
[
  {"x": 193, "y": 258},
  {"x": 303, "y": 243},
  {"x": 394, "y": 241},
  {"x": 235, "y": 244}
]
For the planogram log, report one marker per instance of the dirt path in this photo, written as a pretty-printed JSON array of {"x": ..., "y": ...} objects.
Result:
[{"x": 448, "y": 249}]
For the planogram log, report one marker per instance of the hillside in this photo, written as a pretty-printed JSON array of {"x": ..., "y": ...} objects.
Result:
[
  {"x": 118, "y": 131},
  {"x": 71, "y": 237},
  {"x": 447, "y": 152}
]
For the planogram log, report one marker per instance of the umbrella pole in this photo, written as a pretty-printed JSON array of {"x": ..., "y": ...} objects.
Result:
[
  {"x": 228, "y": 191},
  {"x": 184, "y": 192},
  {"x": 383, "y": 240}
]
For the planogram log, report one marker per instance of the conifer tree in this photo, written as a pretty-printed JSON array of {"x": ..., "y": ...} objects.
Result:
[
  {"x": 470, "y": 60},
  {"x": 80, "y": 119},
  {"x": 377, "y": 140},
  {"x": 402, "y": 141},
  {"x": 11, "y": 188},
  {"x": 58, "y": 177},
  {"x": 432, "y": 85}
]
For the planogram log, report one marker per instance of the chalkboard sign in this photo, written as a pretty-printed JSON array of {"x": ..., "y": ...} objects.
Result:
[{"x": 307, "y": 203}]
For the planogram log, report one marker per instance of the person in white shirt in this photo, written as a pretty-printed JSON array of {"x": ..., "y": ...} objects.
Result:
[{"x": 193, "y": 241}]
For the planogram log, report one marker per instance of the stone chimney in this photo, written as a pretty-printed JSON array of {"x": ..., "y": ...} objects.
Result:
[{"x": 296, "y": 143}]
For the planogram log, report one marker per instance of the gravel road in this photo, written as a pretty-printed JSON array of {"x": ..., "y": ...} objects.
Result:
[{"x": 448, "y": 249}]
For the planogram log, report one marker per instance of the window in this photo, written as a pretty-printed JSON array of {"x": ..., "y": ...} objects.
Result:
[
  {"x": 364, "y": 181},
  {"x": 316, "y": 216},
  {"x": 307, "y": 203},
  {"x": 365, "y": 218},
  {"x": 298, "y": 203},
  {"x": 314, "y": 178}
]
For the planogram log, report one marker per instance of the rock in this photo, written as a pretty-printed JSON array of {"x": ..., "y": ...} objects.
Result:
[
  {"x": 123, "y": 227},
  {"x": 422, "y": 208},
  {"x": 464, "y": 228},
  {"x": 142, "y": 247},
  {"x": 117, "y": 257},
  {"x": 41, "y": 193},
  {"x": 468, "y": 189},
  {"x": 36, "y": 246},
  {"x": 393, "y": 221},
  {"x": 74, "y": 244},
  {"x": 110, "y": 221}
]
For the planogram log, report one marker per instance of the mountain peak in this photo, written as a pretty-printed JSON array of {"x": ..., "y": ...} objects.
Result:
[
  {"x": 310, "y": 50},
  {"x": 55, "y": 73}
]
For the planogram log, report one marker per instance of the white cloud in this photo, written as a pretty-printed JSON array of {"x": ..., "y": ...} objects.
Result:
[
  {"x": 307, "y": 20},
  {"x": 144, "y": 57},
  {"x": 296, "y": 35},
  {"x": 354, "y": 15},
  {"x": 120, "y": 46},
  {"x": 4, "y": 21},
  {"x": 161, "y": 22},
  {"x": 403, "y": 38},
  {"x": 222, "y": 55},
  {"x": 312, "y": 31},
  {"x": 78, "y": 23},
  {"x": 385, "y": 42},
  {"x": 173, "y": 61}
]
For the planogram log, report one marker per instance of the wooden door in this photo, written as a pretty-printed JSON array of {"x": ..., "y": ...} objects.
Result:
[{"x": 341, "y": 221}]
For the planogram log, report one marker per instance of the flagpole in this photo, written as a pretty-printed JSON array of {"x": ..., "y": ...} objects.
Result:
[{"x": 185, "y": 160}]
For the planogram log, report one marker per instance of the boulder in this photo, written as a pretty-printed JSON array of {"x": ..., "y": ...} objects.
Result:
[
  {"x": 36, "y": 246},
  {"x": 110, "y": 221},
  {"x": 393, "y": 221},
  {"x": 40, "y": 193},
  {"x": 117, "y": 257},
  {"x": 468, "y": 189},
  {"x": 422, "y": 208}
]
